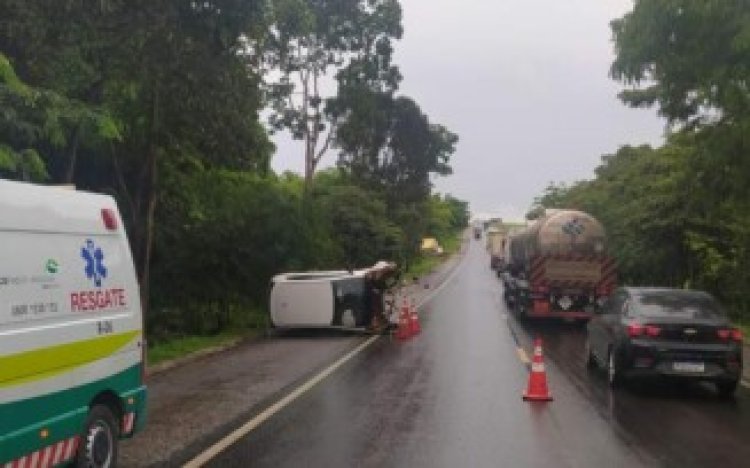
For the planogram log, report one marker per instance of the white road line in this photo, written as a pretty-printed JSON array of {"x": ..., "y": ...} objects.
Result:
[
  {"x": 236, "y": 435},
  {"x": 266, "y": 414}
]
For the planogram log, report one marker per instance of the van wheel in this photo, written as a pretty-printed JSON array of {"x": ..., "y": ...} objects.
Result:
[{"x": 98, "y": 448}]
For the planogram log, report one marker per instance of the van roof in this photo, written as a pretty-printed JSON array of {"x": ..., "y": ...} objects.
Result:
[{"x": 31, "y": 207}]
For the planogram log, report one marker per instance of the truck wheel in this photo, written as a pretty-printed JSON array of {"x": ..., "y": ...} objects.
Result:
[{"x": 99, "y": 440}]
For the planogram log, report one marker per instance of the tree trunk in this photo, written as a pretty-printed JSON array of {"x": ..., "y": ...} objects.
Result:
[
  {"x": 146, "y": 207},
  {"x": 309, "y": 166},
  {"x": 70, "y": 171},
  {"x": 147, "y": 239}
]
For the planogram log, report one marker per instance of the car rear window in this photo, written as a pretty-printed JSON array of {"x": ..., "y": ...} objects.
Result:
[{"x": 678, "y": 304}]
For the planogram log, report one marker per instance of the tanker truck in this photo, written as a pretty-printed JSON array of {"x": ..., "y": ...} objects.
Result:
[{"x": 559, "y": 267}]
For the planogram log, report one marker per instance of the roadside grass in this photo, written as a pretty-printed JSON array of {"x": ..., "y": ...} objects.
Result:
[
  {"x": 186, "y": 345},
  {"x": 247, "y": 323},
  {"x": 425, "y": 263}
]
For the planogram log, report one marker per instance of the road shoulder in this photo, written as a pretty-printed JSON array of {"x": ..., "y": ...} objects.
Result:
[{"x": 193, "y": 404}]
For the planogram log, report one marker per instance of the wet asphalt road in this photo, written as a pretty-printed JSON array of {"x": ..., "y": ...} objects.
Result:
[{"x": 452, "y": 397}]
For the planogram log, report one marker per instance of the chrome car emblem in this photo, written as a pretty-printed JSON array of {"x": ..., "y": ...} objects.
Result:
[{"x": 690, "y": 331}]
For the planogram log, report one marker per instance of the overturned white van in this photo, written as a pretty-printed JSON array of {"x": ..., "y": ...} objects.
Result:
[
  {"x": 329, "y": 299},
  {"x": 71, "y": 339}
]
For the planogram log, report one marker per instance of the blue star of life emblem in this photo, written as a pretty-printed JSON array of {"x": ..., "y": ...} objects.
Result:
[{"x": 94, "y": 257}]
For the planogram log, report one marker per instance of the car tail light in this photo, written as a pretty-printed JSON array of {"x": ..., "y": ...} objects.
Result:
[
  {"x": 109, "y": 218},
  {"x": 733, "y": 334},
  {"x": 635, "y": 329}
]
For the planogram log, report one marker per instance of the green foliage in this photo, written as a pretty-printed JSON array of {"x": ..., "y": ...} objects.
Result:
[
  {"x": 680, "y": 212},
  {"x": 35, "y": 123},
  {"x": 178, "y": 347},
  {"x": 221, "y": 237},
  {"x": 399, "y": 152},
  {"x": 666, "y": 223},
  {"x": 223, "y": 234},
  {"x": 158, "y": 104},
  {"x": 637, "y": 196},
  {"x": 692, "y": 58},
  {"x": 166, "y": 79},
  {"x": 446, "y": 216},
  {"x": 358, "y": 221},
  {"x": 309, "y": 39}
]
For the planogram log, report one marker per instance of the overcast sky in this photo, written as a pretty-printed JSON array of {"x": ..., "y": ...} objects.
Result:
[{"x": 525, "y": 85}]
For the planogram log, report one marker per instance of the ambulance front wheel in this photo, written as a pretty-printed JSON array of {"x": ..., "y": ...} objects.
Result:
[{"x": 98, "y": 447}]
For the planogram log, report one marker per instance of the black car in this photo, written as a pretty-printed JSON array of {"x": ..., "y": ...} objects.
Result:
[{"x": 643, "y": 332}]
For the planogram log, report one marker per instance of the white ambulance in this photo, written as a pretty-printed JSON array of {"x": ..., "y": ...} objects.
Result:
[{"x": 71, "y": 337}]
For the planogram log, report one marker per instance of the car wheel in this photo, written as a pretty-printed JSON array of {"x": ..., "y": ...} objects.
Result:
[
  {"x": 727, "y": 388},
  {"x": 98, "y": 448},
  {"x": 590, "y": 359},
  {"x": 613, "y": 370}
]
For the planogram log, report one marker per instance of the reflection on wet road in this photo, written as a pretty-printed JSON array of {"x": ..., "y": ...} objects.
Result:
[{"x": 452, "y": 397}]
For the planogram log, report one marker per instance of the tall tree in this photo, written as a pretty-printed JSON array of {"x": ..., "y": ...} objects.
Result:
[
  {"x": 691, "y": 58},
  {"x": 309, "y": 40},
  {"x": 391, "y": 144}
]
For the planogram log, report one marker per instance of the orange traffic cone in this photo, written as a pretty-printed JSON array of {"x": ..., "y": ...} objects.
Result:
[
  {"x": 537, "y": 389},
  {"x": 414, "y": 325},
  {"x": 404, "y": 330}
]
